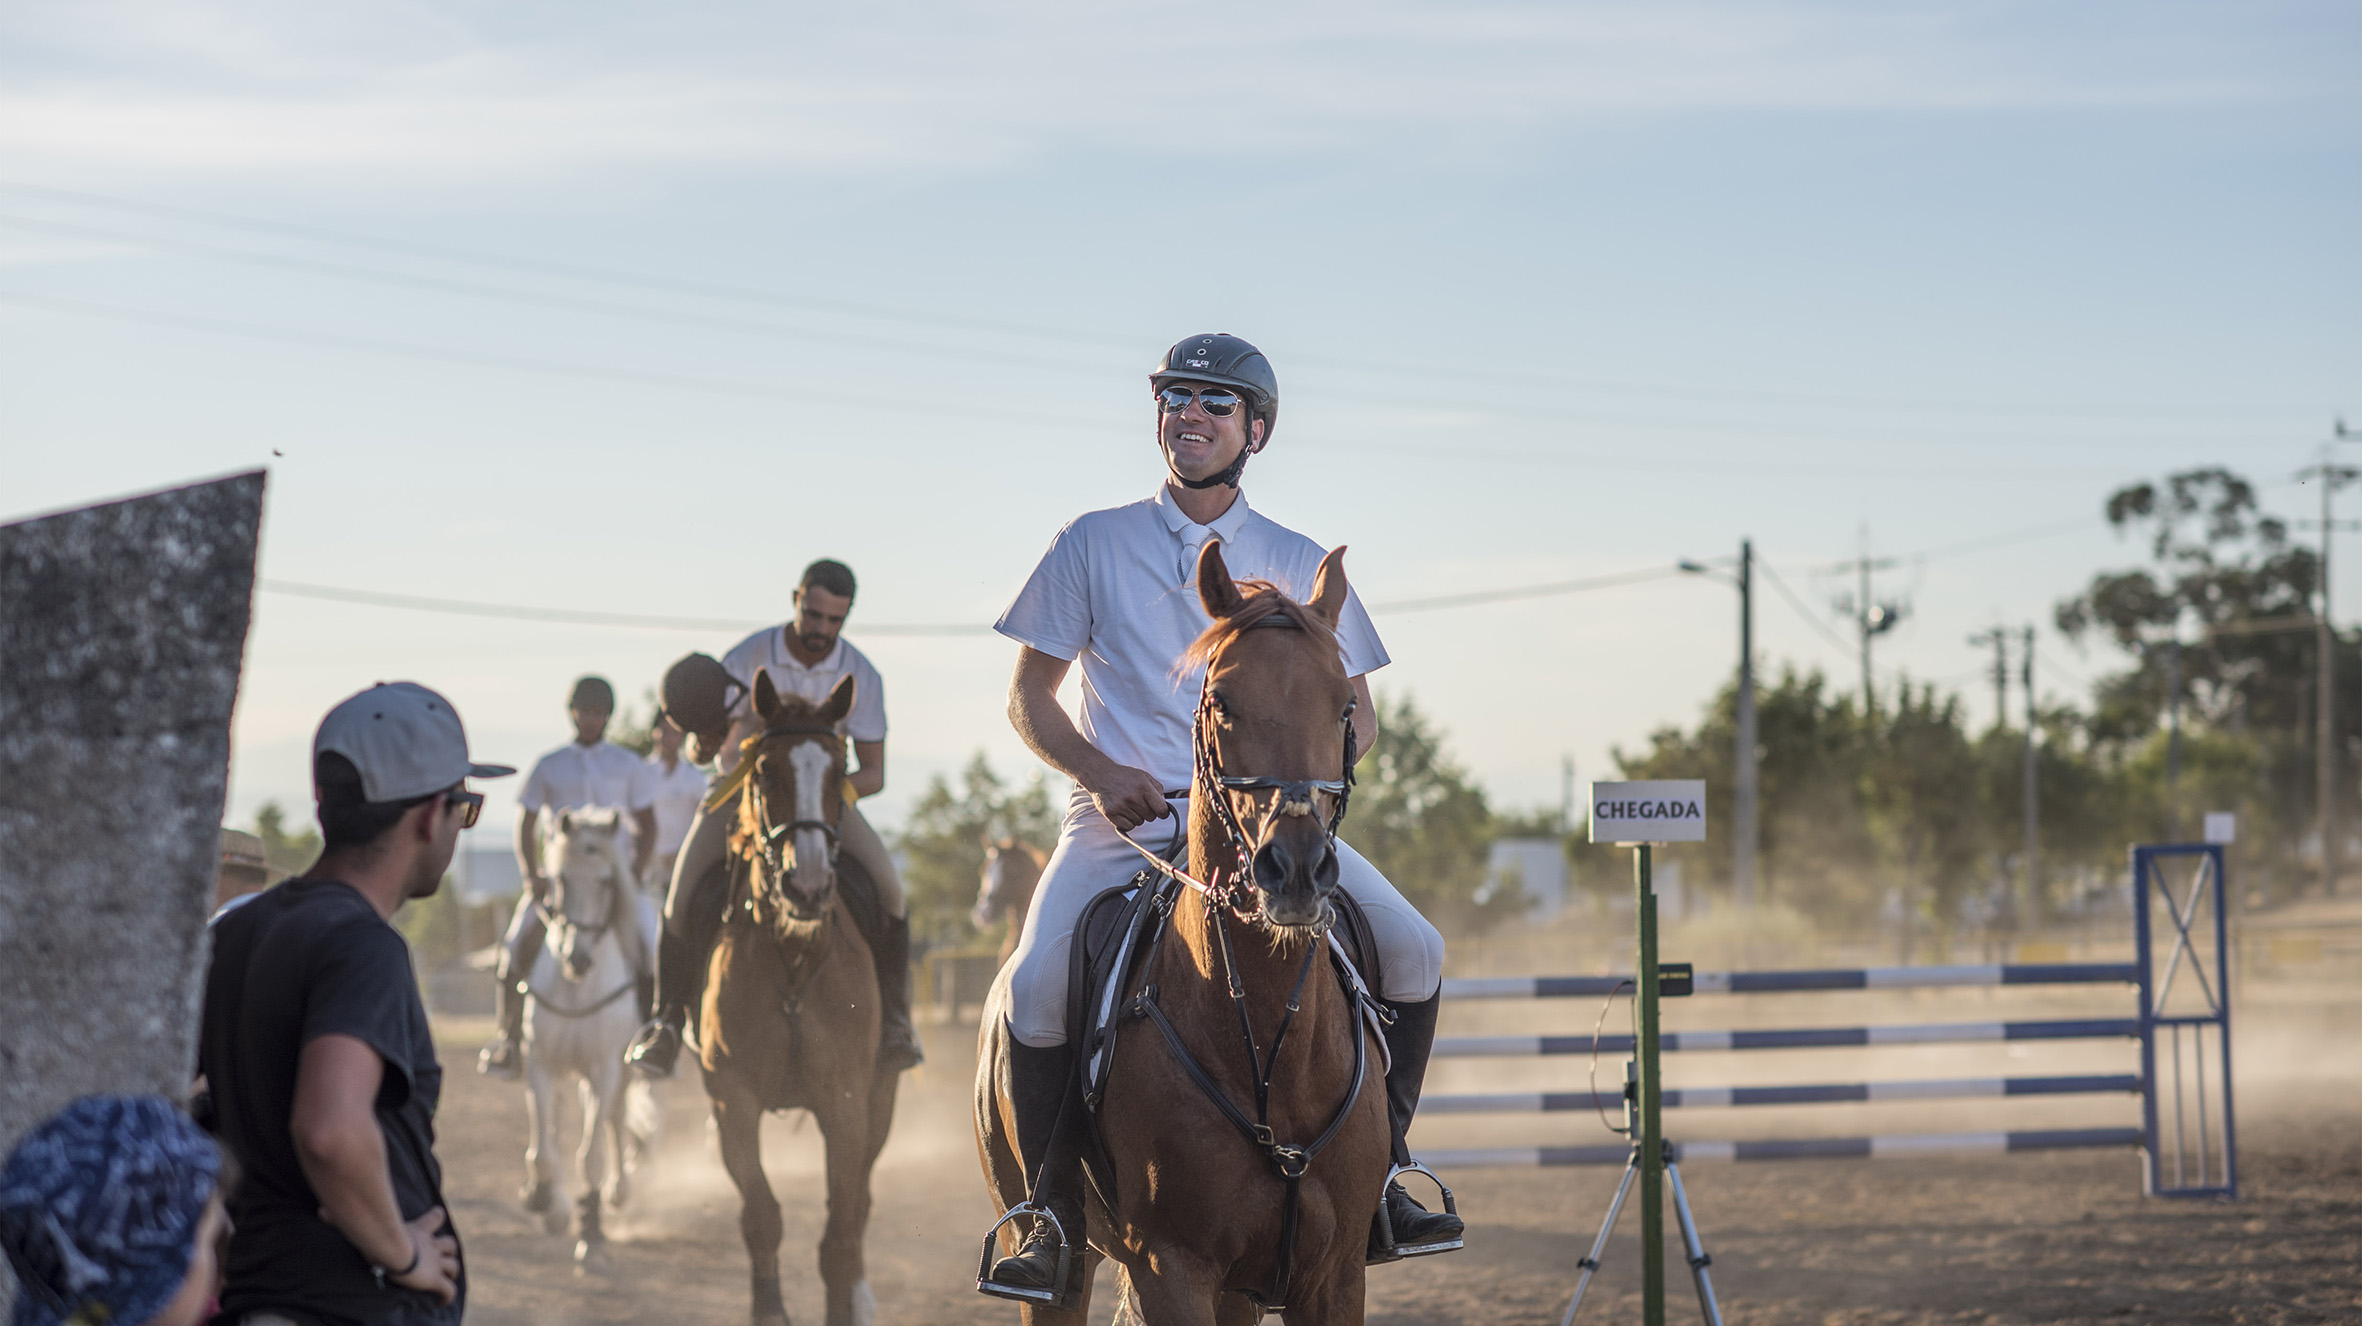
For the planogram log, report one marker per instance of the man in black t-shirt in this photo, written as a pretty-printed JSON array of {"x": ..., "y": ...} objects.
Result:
[{"x": 316, "y": 1048}]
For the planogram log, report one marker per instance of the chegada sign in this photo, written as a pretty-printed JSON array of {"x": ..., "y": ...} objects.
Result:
[{"x": 1661, "y": 811}]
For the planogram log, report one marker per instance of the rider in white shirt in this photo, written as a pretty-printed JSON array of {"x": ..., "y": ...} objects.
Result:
[
  {"x": 677, "y": 786},
  {"x": 1115, "y": 591},
  {"x": 587, "y": 773},
  {"x": 806, "y": 657}
]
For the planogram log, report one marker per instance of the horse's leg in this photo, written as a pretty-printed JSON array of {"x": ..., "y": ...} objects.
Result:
[
  {"x": 1183, "y": 1292},
  {"x": 738, "y": 1119},
  {"x": 1336, "y": 1300},
  {"x": 541, "y": 1163},
  {"x": 598, "y": 1111},
  {"x": 847, "y": 1131}
]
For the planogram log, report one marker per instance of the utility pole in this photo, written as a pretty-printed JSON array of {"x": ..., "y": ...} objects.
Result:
[
  {"x": 1566, "y": 796},
  {"x": 2331, "y": 478},
  {"x": 2032, "y": 891},
  {"x": 1743, "y": 837},
  {"x": 1870, "y": 618},
  {"x": 1744, "y": 826}
]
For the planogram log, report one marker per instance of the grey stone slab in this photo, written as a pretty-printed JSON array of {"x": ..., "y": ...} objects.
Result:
[{"x": 122, "y": 632}]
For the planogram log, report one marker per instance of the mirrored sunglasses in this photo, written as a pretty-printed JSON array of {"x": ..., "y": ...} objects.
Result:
[{"x": 1217, "y": 402}]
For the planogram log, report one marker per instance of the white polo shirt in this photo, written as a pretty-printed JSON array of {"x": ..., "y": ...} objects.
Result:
[
  {"x": 1117, "y": 590},
  {"x": 766, "y": 651},
  {"x": 677, "y": 794},
  {"x": 576, "y": 777}
]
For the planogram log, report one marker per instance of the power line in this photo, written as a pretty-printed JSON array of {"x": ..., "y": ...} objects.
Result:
[
  {"x": 1525, "y": 591},
  {"x": 746, "y": 294},
  {"x": 529, "y": 364},
  {"x": 1810, "y": 618},
  {"x": 523, "y": 612}
]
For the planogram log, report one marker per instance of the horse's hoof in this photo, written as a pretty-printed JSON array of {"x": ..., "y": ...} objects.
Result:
[
  {"x": 555, "y": 1221},
  {"x": 537, "y": 1198},
  {"x": 592, "y": 1258}
]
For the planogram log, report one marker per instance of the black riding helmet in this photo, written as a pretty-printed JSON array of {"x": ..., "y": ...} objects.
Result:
[{"x": 1223, "y": 360}]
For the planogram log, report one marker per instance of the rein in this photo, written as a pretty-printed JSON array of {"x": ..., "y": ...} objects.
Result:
[
  {"x": 617, "y": 900},
  {"x": 1289, "y": 1161}
]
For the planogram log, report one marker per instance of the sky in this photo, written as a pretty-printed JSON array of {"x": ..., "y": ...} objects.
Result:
[{"x": 636, "y": 309}]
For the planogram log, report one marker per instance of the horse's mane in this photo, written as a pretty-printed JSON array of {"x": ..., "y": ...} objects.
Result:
[{"x": 1264, "y": 601}]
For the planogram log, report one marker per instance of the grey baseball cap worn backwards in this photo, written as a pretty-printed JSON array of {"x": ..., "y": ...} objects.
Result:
[{"x": 405, "y": 739}]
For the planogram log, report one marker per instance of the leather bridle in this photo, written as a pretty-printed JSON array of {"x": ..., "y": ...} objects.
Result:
[{"x": 770, "y": 857}]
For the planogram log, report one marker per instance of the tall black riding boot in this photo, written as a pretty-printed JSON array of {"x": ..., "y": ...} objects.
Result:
[
  {"x": 1041, "y": 1088},
  {"x": 504, "y": 1057},
  {"x": 1417, "y": 1231},
  {"x": 658, "y": 1046},
  {"x": 898, "y": 1039}
]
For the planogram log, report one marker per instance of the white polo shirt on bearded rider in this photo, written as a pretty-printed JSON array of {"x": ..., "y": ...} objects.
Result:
[
  {"x": 766, "y": 651},
  {"x": 1117, "y": 589},
  {"x": 579, "y": 777}
]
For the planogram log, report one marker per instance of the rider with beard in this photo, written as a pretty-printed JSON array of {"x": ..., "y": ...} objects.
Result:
[
  {"x": 804, "y": 657},
  {"x": 1115, "y": 591}
]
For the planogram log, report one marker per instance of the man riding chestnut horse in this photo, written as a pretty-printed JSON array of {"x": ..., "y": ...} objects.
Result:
[
  {"x": 714, "y": 703},
  {"x": 1117, "y": 591}
]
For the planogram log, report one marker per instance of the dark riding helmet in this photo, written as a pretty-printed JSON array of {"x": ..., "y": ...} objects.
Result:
[
  {"x": 698, "y": 695},
  {"x": 1223, "y": 360}
]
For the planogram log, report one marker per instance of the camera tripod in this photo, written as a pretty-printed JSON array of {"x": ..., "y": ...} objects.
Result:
[{"x": 1692, "y": 1247}]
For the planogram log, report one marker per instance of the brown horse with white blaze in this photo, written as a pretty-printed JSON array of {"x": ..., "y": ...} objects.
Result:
[
  {"x": 1195, "y": 1209},
  {"x": 790, "y": 1017}
]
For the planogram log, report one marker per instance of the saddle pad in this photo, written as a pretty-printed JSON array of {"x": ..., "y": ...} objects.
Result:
[{"x": 1112, "y": 937}]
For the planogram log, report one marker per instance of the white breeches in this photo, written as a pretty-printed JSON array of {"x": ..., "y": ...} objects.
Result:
[{"x": 1092, "y": 856}]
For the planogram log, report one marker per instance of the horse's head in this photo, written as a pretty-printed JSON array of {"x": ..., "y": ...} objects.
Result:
[
  {"x": 1274, "y": 730},
  {"x": 584, "y": 866},
  {"x": 1011, "y": 871},
  {"x": 787, "y": 821}
]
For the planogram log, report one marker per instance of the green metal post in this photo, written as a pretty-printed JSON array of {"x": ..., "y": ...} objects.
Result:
[{"x": 1652, "y": 1130}]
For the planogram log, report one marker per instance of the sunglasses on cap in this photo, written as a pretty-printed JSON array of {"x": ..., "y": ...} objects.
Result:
[{"x": 1217, "y": 402}]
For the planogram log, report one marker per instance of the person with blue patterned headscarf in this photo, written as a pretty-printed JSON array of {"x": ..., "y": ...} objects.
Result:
[{"x": 111, "y": 1214}]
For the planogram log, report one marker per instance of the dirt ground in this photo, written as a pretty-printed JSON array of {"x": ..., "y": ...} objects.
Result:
[{"x": 2057, "y": 1237}]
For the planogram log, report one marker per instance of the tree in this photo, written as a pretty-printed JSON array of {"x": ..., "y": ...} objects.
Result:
[
  {"x": 943, "y": 844},
  {"x": 1424, "y": 825},
  {"x": 288, "y": 853}
]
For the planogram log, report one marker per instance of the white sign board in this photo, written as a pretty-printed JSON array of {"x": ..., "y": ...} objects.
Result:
[
  {"x": 2222, "y": 827},
  {"x": 1664, "y": 811}
]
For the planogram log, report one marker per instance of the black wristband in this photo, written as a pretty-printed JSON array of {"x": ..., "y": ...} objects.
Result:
[{"x": 417, "y": 1255}]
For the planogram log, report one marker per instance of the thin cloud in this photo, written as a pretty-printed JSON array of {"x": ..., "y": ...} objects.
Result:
[{"x": 421, "y": 94}]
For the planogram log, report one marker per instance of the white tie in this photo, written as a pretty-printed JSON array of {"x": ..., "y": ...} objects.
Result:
[{"x": 1193, "y": 542}]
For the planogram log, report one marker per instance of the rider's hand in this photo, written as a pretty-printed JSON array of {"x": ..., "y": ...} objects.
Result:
[
  {"x": 1129, "y": 798},
  {"x": 437, "y": 1271}
]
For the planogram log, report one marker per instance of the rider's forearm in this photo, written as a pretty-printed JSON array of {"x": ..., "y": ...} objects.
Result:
[
  {"x": 529, "y": 844},
  {"x": 869, "y": 772},
  {"x": 1045, "y": 726}
]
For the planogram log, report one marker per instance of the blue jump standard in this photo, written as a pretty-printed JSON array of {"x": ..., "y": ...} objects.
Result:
[
  {"x": 1799, "y": 1148},
  {"x": 1553, "y": 1102},
  {"x": 1773, "y": 982},
  {"x": 1799, "y": 1038}
]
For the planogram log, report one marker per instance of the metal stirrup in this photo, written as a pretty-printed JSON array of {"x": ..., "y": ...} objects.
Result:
[
  {"x": 985, "y": 1284},
  {"x": 1386, "y": 1222}
]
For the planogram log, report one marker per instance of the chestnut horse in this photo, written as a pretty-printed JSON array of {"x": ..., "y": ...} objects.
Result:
[
  {"x": 1200, "y": 1219},
  {"x": 1012, "y": 870},
  {"x": 790, "y": 1017}
]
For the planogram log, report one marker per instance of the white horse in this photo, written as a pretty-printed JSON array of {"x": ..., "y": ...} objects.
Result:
[{"x": 580, "y": 1013}]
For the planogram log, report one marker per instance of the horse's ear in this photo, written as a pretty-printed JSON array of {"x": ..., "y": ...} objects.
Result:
[
  {"x": 565, "y": 821},
  {"x": 766, "y": 695},
  {"x": 1328, "y": 588},
  {"x": 840, "y": 702},
  {"x": 1215, "y": 588}
]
